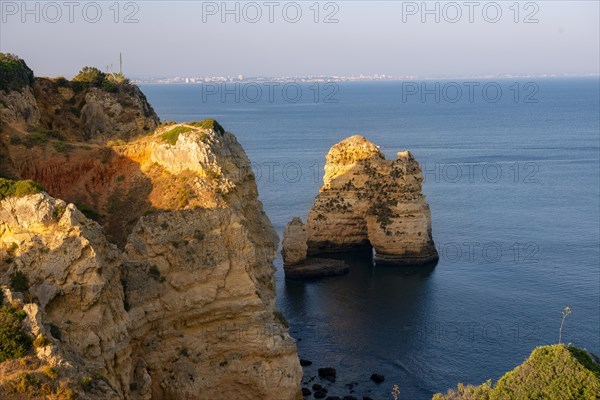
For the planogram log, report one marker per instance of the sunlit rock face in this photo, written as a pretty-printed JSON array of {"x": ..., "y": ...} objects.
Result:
[
  {"x": 369, "y": 203},
  {"x": 148, "y": 256}
]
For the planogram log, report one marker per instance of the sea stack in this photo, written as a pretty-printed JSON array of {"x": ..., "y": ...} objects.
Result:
[{"x": 368, "y": 203}]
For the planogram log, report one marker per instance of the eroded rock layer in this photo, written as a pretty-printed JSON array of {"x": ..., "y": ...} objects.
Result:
[
  {"x": 154, "y": 278},
  {"x": 369, "y": 202}
]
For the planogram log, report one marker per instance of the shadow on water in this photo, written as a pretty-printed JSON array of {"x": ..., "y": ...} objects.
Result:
[{"x": 355, "y": 322}]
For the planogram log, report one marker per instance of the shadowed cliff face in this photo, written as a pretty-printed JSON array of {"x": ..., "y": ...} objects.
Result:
[{"x": 184, "y": 306}]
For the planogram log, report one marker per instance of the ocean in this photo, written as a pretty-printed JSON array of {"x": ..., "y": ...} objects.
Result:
[{"x": 512, "y": 175}]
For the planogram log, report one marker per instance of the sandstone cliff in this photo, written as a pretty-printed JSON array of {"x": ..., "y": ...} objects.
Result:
[
  {"x": 72, "y": 110},
  {"x": 164, "y": 289},
  {"x": 367, "y": 202}
]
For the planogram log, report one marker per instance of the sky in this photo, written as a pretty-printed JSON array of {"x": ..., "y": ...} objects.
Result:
[{"x": 304, "y": 38}]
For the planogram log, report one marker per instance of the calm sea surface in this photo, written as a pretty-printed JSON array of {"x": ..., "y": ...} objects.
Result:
[{"x": 513, "y": 187}]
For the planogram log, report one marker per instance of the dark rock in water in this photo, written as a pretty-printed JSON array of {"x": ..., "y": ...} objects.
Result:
[
  {"x": 305, "y": 363},
  {"x": 367, "y": 398},
  {"x": 333, "y": 398},
  {"x": 377, "y": 378},
  {"x": 349, "y": 398},
  {"x": 313, "y": 268},
  {"x": 317, "y": 388},
  {"x": 328, "y": 373},
  {"x": 320, "y": 394},
  {"x": 306, "y": 392}
]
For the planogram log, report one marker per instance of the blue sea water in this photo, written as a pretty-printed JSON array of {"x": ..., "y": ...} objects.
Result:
[{"x": 513, "y": 187}]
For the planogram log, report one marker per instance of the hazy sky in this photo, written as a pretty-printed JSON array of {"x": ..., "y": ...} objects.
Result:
[{"x": 175, "y": 38}]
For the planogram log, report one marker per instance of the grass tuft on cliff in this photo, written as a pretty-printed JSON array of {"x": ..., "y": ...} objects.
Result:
[
  {"x": 208, "y": 123},
  {"x": 172, "y": 135},
  {"x": 10, "y": 188},
  {"x": 556, "y": 372},
  {"x": 14, "y": 73}
]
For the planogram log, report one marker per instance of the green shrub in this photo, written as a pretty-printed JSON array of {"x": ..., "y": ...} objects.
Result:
[
  {"x": 90, "y": 75},
  {"x": 16, "y": 140},
  {"x": 584, "y": 358},
  {"x": 110, "y": 86},
  {"x": 19, "y": 282},
  {"x": 172, "y": 135},
  {"x": 208, "y": 123},
  {"x": 62, "y": 147},
  {"x": 467, "y": 392},
  {"x": 9, "y": 188},
  {"x": 14, "y": 73},
  {"x": 50, "y": 372},
  {"x": 86, "y": 383},
  {"x": 41, "y": 341},
  {"x": 117, "y": 142},
  {"x": 36, "y": 139},
  {"x": 26, "y": 384},
  {"x": 55, "y": 135},
  {"x": 550, "y": 372},
  {"x": 12, "y": 249},
  {"x": 58, "y": 212},
  {"x": 14, "y": 342},
  {"x": 1, "y": 297},
  {"x": 61, "y": 81}
]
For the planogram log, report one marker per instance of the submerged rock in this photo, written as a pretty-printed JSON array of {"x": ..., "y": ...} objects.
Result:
[
  {"x": 316, "y": 268},
  {"x": 328, "y": 373}
]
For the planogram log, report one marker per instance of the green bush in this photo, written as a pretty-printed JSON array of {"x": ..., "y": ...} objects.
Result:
[
  {"x": 14, "y": 342},
  {"x": 110, "y": 86},
  {"x": 10, "y": 188},
  {"x": 41, "y": 341},
  {"x": 50, "y": 372},
  {"x": 172, "y": 135},
  {"x": 90, "y": 75},
  {"x": 14, "y": 73},
  {"x": 19, "y": 282},
  {"x": 86, "y": 383},
  {"x": 12, "y": 249},
  {"x": 61, "y": 81},
  {"x": 62, "y": 147},
  {"x": 208, "y": 123},
  {"x": 554, "y": 372}
]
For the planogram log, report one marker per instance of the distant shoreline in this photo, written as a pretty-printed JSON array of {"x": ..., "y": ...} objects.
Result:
[{"x": 284, "y": 80}]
